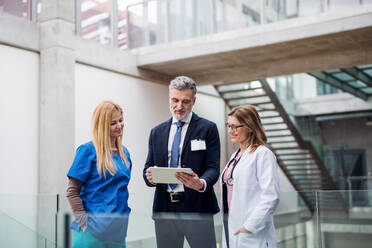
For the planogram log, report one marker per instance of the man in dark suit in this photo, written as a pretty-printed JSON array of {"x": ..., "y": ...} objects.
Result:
[{"x": 186, "y": 140}]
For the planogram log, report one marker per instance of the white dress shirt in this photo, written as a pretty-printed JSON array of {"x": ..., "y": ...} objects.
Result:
[{"x": 172, "y": 132}]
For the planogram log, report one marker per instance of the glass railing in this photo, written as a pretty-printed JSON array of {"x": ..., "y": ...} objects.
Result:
[
  {"x": 136, "y": 23},
  {"x": 14, "y": 233},
  {"x": 156, "y": 21},
  {"x": 44, "y": 221},
  {"x": 359, "y": 191},
  {"x": 344, "y": 227}
]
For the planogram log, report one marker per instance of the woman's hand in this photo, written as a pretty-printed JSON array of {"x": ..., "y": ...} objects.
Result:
[{"x": 242, "y": 230}]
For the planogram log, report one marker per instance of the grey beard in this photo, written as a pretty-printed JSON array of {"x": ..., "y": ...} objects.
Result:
[{"x": 176, "y": 117}]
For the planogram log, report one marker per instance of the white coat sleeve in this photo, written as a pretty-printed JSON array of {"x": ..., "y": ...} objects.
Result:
[{"x": 268, "y": 182}]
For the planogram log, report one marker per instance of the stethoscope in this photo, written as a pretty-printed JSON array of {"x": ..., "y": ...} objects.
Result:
[{"x": 230, "y": 180}]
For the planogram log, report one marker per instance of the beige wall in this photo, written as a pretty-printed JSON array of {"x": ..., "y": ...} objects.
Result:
[{"x": 19, "y": 143}]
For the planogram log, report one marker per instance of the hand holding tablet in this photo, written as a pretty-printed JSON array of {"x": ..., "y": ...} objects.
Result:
[{"x": 167, "y": 175}]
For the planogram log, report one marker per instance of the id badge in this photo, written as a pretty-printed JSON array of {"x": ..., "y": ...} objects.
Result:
[{"x": 197, "y": 145}]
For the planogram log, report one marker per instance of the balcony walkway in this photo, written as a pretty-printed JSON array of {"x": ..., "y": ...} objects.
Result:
[{"x": 307, "y": 44}]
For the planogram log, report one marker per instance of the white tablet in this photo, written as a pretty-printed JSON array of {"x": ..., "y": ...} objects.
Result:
[{"x": 166, "y": 174}]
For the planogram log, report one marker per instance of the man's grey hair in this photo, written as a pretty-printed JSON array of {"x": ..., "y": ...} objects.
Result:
[{"x": 183, "y": 83}]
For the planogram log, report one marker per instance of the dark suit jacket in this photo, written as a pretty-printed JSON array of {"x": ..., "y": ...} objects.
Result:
[{"x": 205, "y": 163}]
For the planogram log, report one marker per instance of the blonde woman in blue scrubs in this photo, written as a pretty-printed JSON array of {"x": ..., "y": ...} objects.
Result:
[
  {"x": 98, "y": 183},
  {"x": 250, "y": 184}
]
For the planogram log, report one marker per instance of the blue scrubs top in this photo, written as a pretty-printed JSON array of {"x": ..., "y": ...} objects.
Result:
[{"x": 105, "y": 200}]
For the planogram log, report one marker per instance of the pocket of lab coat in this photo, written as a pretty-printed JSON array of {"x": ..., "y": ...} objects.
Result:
[{"x": 246, "y": 240}]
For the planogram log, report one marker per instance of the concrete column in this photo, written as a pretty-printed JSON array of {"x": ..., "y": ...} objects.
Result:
[
  {"x": 57, "y": 108},
  {"x": 57, "y": 91}
]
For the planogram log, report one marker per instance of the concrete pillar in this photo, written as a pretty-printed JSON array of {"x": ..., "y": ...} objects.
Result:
[
  {"x": 57, "y": 108},
  {"x": 57, "y": 94}
]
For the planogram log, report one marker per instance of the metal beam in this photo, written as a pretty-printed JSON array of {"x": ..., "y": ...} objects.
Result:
[{"x": 331, "y": 80}]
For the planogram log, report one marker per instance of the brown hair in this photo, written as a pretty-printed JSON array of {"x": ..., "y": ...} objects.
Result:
[
  {"x": 101, "y": 121},
  {"x": 248, "y": 116}
]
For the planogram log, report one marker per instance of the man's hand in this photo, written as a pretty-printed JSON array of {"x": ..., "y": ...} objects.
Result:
[
  {"x": 242, "y": 230},
  {"x": 149, "y": 176},
  {"x": 191, "y": 181}
]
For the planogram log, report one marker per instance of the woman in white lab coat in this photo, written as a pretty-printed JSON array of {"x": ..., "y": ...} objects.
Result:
[{"x": 250, "y": 184}]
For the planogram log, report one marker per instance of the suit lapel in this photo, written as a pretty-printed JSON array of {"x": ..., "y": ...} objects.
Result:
[{"x": 164, "y": 144}]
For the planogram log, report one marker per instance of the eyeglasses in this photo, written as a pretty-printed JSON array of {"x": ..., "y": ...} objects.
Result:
[{"x": 233, "y": 127}]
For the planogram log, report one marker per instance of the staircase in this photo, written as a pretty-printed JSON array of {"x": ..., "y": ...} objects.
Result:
[{"x": 296, "y": 157}]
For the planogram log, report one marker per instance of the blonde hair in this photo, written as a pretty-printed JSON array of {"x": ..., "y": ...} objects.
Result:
[
  {"x": 101, "y": 123},
  {"x": 248, "y": 116}
]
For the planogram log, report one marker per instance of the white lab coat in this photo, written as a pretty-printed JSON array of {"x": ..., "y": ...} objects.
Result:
[{"x": 254, "y": 199}]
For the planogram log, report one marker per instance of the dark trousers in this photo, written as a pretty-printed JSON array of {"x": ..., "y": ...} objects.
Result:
[{"x": 173, "y": 227}]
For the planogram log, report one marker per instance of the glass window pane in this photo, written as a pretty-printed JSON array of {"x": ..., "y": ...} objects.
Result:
[
  {"x": 146, "y": 23},
  {"x": 122, "y": 25},
  {"x": 39, "y": 7},
  {"x": 219, "y": 15},
  {"x": 239, "y": 15},
  {"x": 136, "y": 21},
  {"x": 342, "y": 4},
  {"x": 95, "y": 20},
  {"x": 367, "y": 90},
  {"x": 343, "y": 76},
  {"x": 308, "y": 7},
  {"x": 333, "y": 70},
  {"x": 277, "y": 10},
  {"x": 156, "y": 12},
  {"x": 357, "y": 84},
  {"x": 369, "y": 72},
  {"x": 365, "y": 66},
  {"x": 19, "y": 8},
  {"x": 190, "y": 18}
]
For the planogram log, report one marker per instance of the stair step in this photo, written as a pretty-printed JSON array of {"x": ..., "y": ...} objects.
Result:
[
  {"x": 282, "y": 142},
  {"x": 313, "y": 169},
  {"x": 300, "y": 164},
  {"x": 238, "y": 90},
  {"x": 244, "y": 97},
  {"x": 279, "y": 136},
  {"x": 318, "y": 174},
  {"x": 269, "y": 116},
  {"x": 295, "y": 159}
]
